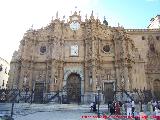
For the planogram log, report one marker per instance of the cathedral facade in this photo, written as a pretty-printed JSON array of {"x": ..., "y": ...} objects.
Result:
[{"x": 77, "y": 58}]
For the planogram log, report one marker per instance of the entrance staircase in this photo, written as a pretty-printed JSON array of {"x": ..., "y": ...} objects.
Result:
[
  {"x": 57, "y": 94},
  {"x": 123, "y": 91}
]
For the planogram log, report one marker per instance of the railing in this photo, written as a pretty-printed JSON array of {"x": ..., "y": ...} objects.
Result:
[
  {"x": 15, "y": 95},
  {"x": 124, "y": 91},
  {"x": 55, "y": 95}
]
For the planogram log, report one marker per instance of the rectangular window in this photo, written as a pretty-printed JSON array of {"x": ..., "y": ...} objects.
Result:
[
  {"x": 157, "y": 37},
  {"x": 143, "y": 38}
]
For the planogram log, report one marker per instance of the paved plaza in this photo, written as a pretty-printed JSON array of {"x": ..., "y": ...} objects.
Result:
[
  {"x": 49, "y": 111},
  {"x": 52, "y": 111}
]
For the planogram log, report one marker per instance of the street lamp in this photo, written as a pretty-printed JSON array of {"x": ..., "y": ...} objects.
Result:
[
  {"x": 122, "y": 87},
  {"x": 26, "y": 91},
  {"x": 98, "y": 89}
]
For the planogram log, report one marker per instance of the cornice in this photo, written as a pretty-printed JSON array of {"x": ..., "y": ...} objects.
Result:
[{"x": 143, "y": 31}]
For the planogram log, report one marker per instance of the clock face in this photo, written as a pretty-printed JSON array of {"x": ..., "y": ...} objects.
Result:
[
  {"x": 74, "y": 50},
  {"x": 74, "y": 25}
]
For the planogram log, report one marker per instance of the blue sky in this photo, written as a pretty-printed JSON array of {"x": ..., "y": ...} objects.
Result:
[
  {"x": 17, "y": 16},
  {"x": 131, "y": 13}
]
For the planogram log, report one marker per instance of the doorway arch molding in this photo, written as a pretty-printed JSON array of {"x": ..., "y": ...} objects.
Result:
[{"x": 77, "y": 70}]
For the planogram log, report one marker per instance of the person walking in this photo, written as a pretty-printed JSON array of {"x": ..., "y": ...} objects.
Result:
[
  {"x": 94, "y": 107},
  {"x": 91, "y": 106},
  {"x": 129, "y": 109},
  {"x": 133, "y": 107},
  {"x": 112, "y": 108},
  {"x": 157, "y": 112},
  {"x": 154, "y": 104},
  {"x": 117, "y": 108}
]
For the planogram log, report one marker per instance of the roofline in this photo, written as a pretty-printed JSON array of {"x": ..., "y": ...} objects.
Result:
[{"x": 143, "y": 30}]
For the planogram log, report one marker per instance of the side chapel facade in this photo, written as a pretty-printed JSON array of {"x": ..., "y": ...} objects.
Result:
[{"x": 76, "y": 57}]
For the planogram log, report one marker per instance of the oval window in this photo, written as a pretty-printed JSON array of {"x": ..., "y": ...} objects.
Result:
[
  {"x": 106, "y": 48},
  {"x": 43, "y": 49}
]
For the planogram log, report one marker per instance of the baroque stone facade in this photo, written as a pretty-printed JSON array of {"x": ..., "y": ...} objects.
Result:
[{"x": 83, "y": 55}]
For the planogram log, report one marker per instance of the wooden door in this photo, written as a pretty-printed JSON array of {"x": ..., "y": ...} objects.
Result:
[
  {"x": 74, "y": 88},
  {"x": 38, "y": 92},
  {"x": 108, "y": 92}
]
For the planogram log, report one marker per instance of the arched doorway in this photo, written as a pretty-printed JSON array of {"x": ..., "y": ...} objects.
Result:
[
  {"x": 156, "y": 86},
  {"x": 74, "y": 88}
]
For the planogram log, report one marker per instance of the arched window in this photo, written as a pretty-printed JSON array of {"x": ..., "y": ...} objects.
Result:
[{"x": 43, "y": 49}]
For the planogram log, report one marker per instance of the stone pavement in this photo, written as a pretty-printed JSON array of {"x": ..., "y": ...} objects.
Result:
[{"x": 26, "y": 111}]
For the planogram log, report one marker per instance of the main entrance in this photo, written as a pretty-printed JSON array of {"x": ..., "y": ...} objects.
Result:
[
  {"x": 108, "y": 92},
  {"x": 38, "y": 92},
  {"x": 74, "y": 88}
]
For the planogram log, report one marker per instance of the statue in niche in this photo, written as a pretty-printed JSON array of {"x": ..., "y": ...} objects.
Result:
[
  {"x": 25, "y": 80},
  {"x": 152, "y": 48},
  {"x": 122, "y": 82},
  {"x": 40, "y": 77},
  {"x": 44, "y": 75},
  {"x": 108, "y": 77},
  {"x": 55, "y": 79}
]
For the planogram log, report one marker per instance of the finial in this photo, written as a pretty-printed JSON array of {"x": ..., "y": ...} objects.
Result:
[
  {"x": 118, "y": 24},
  {"x": 31, "y": 27},
  {"x": 92, "y": 13},
  {"x": 63, "y": 16},
  {"x": 86, "y": 16},
  {"x": 92, "y": 17},
  {"x": 105, "y": 21},
  {"x": 57, "y": 15},
  {"x": 75, "y": 10},
  {"x": 75, "y": 13}
]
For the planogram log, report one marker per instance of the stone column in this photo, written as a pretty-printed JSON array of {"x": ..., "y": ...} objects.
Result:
[
  {"x": 47, "y": 78},
  {"x": 94, "y": 77},
  {"x": 86, "y": 71},
  {"x": 61, "y": 77},
  {"x": 31, "y": 76},
  {"x": 126, "y": 78},
  {"x": 53, "y": 67},
  {"x": 118, "y": 80}
]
